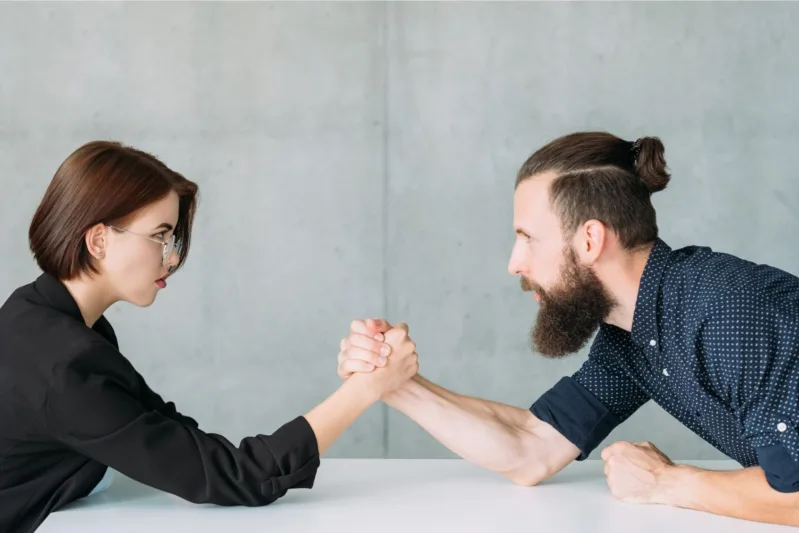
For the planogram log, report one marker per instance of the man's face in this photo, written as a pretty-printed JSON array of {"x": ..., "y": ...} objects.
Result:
[{"x": 573, "y": 300}]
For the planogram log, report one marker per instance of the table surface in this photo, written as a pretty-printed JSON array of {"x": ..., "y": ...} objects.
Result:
[{"x": 398, "y": 495}]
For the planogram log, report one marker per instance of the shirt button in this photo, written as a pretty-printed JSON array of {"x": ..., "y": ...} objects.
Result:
[
  {"x": 653, "y": 342},
  {"x": 781, "y": 427},
  {"x": 666, "y": 372}
]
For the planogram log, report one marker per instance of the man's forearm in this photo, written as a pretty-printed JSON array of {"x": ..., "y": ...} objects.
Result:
[
  {"x": 743, "y": 494},
  {"x": 486, "y": 433}
]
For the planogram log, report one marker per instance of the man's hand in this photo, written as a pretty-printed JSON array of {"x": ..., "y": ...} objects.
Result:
[
  {"x": 365, "y": 348},
  {"x": 638, "y": 472}
]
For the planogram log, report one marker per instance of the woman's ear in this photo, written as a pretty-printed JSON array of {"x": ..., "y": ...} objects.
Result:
[{"x": 96, "y": 241}]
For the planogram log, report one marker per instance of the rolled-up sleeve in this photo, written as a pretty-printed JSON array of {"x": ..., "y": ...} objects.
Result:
[
  {"x": 588, "y": 405},
  {"x": 775, "y": 438},
  {"x": 96, "y": 414},
  {"x": 781, "y": 470}
]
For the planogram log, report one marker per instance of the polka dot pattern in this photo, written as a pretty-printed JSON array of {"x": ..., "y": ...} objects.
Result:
[{"x": 714, "y": 342}]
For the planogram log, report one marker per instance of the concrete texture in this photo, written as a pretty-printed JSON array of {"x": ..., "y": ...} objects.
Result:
[{"x": 357, "y": 159}]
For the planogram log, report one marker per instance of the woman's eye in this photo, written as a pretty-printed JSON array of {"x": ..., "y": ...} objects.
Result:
[{"x": 160, "y": 235}]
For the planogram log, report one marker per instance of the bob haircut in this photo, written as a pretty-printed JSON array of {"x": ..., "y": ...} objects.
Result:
[{"x": 103, "y": 182}]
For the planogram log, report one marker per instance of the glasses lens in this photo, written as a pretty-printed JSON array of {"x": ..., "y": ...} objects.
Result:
[{"x": 168, "y": 247}]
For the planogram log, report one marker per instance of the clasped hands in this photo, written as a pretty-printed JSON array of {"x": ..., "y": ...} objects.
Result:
[
  {"x": 377, "y": 351},
  {"x": 635, "y": 472}
]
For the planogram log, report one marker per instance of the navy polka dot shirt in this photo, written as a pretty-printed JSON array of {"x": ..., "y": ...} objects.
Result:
[{"x": 714, "y": 342}]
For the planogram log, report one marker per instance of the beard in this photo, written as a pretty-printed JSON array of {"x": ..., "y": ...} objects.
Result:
[{"x": 571, "y": 311}]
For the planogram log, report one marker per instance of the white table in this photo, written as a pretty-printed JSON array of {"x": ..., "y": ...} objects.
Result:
[{"x": 400, "y": 495}]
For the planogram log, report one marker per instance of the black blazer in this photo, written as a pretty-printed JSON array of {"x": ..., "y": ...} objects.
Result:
[{"x": 71, "y": 403}]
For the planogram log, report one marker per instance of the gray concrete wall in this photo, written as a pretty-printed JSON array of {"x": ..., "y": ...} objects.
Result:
[{"x": 357, "y": 159}]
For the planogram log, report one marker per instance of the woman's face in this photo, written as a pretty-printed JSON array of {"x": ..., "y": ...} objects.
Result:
[{"x": 133, "y": 265}]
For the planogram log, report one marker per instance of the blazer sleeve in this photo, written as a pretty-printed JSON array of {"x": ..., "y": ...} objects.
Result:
[
  {"x": 95, "y": 409},
  {"x": 153, "y": 401}
]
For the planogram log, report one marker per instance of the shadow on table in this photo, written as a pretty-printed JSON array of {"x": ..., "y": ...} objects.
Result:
[{"x": 570, "y": 477}]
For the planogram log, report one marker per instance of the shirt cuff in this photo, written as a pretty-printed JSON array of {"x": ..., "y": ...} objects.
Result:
[
  {"x": 577, "y": 414},
  {"x": 296, "y": 452},
  {"x": 782, "y": 472}
]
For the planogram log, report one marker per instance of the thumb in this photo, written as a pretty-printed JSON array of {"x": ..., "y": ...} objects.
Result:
[
  {"x": 606, "y": 453},
  {"x": 371, "y": 327},
  {"x": 359, "y": 326},
  {"x": 394, "y": 335},
  {"x": 377, "y": 325}
]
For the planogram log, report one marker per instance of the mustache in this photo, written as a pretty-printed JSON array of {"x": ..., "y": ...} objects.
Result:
[{"x": 528, "y": 285}]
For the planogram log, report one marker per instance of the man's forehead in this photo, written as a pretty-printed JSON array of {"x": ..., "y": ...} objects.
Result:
[{"x": 531, "y": 199}]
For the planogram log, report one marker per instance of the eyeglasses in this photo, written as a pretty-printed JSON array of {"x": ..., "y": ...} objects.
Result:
[{"x": 168, "y": 245}]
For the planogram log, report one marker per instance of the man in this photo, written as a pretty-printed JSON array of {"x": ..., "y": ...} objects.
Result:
[{"x": 711, "y": 338}]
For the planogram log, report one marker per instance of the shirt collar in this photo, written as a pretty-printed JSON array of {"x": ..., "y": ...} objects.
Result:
[
  {"x": 645, "y": 317},
  {"x": 55, "y": 293}
]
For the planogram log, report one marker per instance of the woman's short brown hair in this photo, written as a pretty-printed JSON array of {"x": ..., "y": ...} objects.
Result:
[{"x": 102, "y": 182}]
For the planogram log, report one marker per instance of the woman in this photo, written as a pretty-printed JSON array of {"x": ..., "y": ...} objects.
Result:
[{"x": 113, "y": 225}]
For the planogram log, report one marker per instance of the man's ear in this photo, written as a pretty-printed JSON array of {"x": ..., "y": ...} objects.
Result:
[{"x": 591, "y": 241}]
